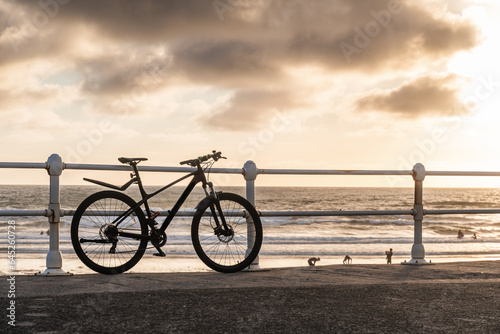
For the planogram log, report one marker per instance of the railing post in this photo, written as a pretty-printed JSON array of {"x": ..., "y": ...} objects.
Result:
[
  {"x": 417, "y": 250},
  {"x": 54, "y": 257},
  {"x": 250, "y": 174}
]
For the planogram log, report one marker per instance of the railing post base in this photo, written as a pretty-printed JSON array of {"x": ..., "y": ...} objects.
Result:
[
  {"x": 253, "y": 267},
  {"x": 417, "y": 252},
  {"x": 54, "y": 272},
  {"x": 418, "y": 255},
  {"x": 418, "y": 262}
]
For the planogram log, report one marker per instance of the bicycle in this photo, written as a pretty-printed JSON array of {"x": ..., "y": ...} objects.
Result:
[{"x": 110, "y": 231}]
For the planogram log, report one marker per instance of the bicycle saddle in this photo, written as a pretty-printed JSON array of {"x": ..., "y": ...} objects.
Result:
[{"x": 131, "y": 160}]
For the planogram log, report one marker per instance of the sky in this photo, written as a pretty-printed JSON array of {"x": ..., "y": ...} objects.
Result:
[{"x": 288, "y": 84}]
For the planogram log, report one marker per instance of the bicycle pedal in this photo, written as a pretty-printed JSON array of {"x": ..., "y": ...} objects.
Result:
[{"x": 159, "y": 254}]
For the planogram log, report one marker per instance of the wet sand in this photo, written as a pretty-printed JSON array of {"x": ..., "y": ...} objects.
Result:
[
  {"x": 359, "y": 298},
  {"x": 32, "y": 263}
]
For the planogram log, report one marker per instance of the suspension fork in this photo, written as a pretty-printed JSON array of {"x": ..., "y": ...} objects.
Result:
[{"x": 214, "y": 208}]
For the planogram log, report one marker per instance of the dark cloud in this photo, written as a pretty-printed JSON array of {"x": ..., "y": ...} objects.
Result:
[
  {"x": 340, "y": 35},
  {"x": 426, "y": 96},
  {"x": 448, "y": 37},
  {"x": 243, "y": 46},
  {"x": 228, "y": 63},
  {"x": 123, "y": 74},
  {"x": 248, "y": 109},
  {"x": 121, "y": 86},
  {"x": 371, "y": 36},
  {"x": 147, "y": 20}
]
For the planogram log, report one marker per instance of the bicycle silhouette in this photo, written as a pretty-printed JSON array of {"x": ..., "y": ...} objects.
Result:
[{"x": 110, "y": 231}]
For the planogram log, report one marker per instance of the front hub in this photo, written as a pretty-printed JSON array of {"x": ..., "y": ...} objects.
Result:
[{"x": 225, "y": 235}]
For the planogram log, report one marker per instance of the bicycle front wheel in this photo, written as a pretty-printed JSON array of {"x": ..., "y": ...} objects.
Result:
[
  {"x": 234, "y": 249},
  {"x": 108, "y": 232}
]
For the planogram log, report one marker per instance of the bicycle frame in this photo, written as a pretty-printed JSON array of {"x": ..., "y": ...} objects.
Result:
[{"x": 198, "y": 176}]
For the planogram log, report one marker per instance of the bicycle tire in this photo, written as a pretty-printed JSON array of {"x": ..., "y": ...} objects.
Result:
[
  {"x": 90, "y": 221},
  {"x": 233, "y": 253}
]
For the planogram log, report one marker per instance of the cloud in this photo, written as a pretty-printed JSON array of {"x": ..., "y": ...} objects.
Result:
[
  {"x": 123, "y": 72},
  {"x": 371, "y": 36},
  {"x": 35, "y": 92},
  {"x": 247, "y": 109},
  {"x": 29, "y": 97},
  {"x": 146, "y": 21},
  {"x": 425, "y": 96},
  {"x": 226, "y": 63},
  {"x": 264, "y": 33},
  {"x": 28, "y": 32},
  {"x": 118, "y": 48}
]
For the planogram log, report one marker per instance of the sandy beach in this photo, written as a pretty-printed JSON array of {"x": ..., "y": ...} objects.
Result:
[
  {"x": 359, "y": 298},
  {"x": 33, "y": 263}
]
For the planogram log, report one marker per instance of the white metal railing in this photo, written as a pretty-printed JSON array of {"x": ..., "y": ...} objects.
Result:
[{"x": 55, "y": 166}]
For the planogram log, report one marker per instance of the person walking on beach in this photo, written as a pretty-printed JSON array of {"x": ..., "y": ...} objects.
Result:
[
  {"x": 389, "y": 256},
  {"x": 460, "y": 234}
]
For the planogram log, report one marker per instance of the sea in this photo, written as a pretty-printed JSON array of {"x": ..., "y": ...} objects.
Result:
[{"x": 363, "y": 238}]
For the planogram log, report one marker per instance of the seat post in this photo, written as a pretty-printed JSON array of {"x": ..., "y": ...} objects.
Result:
[
  {"x": 144, "y": 195},
  {"x": 136, "y": 174},
  {"x": 134, "y": 166}
]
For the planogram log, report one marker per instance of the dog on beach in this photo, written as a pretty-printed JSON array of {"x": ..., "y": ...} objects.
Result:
[
  {"x": 347, "y": 260},
  {"x": 312, "y": 261}
]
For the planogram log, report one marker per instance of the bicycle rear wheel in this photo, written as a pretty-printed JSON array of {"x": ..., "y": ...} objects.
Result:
[
  {"x": 237, "y": 249},
  {"x": 98, "y": 228}
]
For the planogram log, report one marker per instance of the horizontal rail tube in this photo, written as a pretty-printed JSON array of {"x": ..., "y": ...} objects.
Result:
[
  {"x": 332, "y": 172},
  {"x": 23, "y": 165},
  {"x": 334, "y": 213},
  {"x": 369, "y": 172},
  {"x": 190, "y": 212},
  {"x": 150, "y": 168},
  {"x": 44, "y": 165},
  {"x": 462, "y": 211},
  {"x": 17, "y": 213},
  {"x": 458, "y": 173}
]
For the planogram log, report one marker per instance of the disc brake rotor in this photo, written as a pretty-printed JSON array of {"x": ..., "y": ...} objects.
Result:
[{"x": 226, "y": 237}]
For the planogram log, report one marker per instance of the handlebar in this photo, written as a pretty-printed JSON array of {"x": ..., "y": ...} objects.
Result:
[{"x": 194, "y": 162}]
